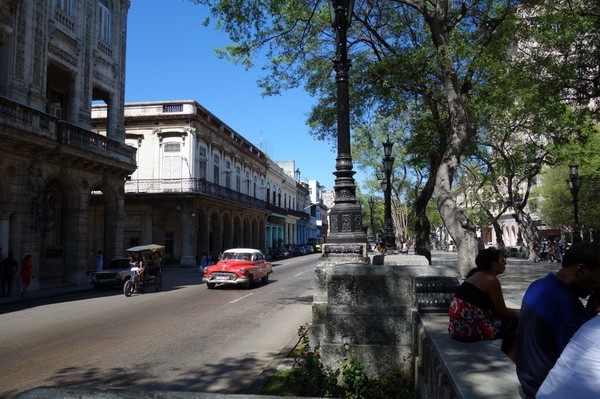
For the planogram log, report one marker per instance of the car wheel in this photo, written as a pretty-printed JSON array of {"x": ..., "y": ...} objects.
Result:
[
  {"x": 249, "y": 282},
  {"x": 128, "y": 288},
  {"x": 158, "y": 283},
  {"x": 210, "y": 286},
  {"x": 265, "y": 279}
]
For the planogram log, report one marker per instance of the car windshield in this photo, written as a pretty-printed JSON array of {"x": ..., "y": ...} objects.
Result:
[{"x": 237, "y": 255}]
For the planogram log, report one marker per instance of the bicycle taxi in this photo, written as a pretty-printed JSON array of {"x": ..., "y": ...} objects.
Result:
[{"x": 145, "y": 267}]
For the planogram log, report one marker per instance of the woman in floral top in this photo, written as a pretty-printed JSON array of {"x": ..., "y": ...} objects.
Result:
[{"x": 478, "y": 311}]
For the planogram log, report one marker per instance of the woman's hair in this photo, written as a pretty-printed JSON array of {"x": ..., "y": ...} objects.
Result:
[{"x": 485, "y": 258}]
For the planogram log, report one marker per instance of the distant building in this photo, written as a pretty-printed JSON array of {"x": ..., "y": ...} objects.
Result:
[
  {"x": 61, "y": 183},
  {"x": 201, "y": 187}
]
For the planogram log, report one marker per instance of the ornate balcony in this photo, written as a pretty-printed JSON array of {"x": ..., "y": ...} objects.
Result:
[{"x": 20, "y": 124}]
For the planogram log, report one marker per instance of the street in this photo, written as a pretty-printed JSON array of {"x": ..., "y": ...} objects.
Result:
[{"x": 184, "y": 338}]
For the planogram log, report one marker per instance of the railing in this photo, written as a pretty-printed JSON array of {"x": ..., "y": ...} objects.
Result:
[
  {"x": 75, "y": 136},
  {"x": 202, "y": 186},
  {"x": 41, "y": 124},
  {"x": 22, "y": 117}
]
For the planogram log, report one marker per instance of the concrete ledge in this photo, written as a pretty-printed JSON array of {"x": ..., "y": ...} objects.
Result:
[
  {"x": 78, "y": 393},
  {"x": 451, "y": 369}
]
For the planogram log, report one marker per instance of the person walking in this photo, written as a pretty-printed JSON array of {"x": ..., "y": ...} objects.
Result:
[
  {"x": 9, "y": 268},
  {"x": 26, "y": 274},
  {"x": 99, "y": 261}
]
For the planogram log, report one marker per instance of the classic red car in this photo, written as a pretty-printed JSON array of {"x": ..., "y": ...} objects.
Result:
[{"x": 239, "y": 266}]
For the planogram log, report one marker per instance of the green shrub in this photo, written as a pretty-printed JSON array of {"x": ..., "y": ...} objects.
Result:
[{"x": 308, "y": 377}]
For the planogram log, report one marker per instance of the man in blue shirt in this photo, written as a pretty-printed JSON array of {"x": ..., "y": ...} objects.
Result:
[{"x": 551, "y": 313}]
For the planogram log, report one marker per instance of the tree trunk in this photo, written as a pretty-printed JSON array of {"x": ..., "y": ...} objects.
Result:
[
  {"x": 530, "y": 231},
  {"x": 422, "y": 225}
]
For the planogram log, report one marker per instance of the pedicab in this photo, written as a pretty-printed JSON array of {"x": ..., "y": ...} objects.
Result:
[{"x": 146, "y": 269}]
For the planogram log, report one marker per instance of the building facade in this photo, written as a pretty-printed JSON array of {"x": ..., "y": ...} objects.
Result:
[
  {"x": 62, "y": 184},
  {"x": 200, "y": 187}
]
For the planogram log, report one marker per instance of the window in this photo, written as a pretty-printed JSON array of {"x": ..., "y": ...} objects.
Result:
[
  {"x": 171, "y": 160},
  {"x": 216, "y": 169},
  {"x": 248, "y": 182},
  {"x": 238, "y": 179},
  {"x": 56, "y": 103},
  {"x": 64, "y": 5},
  {"x": 201, "y": 161},
  {"x": 104, "y": 22}
]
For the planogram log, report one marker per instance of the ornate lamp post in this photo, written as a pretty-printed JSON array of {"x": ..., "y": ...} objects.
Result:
[
  {"x": 388, "y": 165},
  {"x": 574, "y": 183},
  {"x": 346, "y": 213},
  {"x": 371, "y": 206}
]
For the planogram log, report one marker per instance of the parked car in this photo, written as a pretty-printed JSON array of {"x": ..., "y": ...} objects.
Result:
[
  {"x": 308, "y": 250},
  {"x": 299, "y": 250},
  {"x": 280, "y": 253},
  {"x": 316, "y": 243},
  {"x": 115, "y": 275},
  {"x": 240, "y": 267}
]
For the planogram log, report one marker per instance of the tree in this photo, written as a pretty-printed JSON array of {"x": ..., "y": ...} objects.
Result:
[{"x": 428, "y": 63}]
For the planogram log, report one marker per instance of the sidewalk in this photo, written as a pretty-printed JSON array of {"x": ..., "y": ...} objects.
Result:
[{"x": 59, "y": 289}]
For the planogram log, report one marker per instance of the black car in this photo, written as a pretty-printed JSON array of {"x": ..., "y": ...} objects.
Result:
[{"x": 114, "y": 275}]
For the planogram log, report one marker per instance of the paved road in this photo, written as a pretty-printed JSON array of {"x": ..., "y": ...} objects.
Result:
[
  {"x": 185, "y": 338},
  {"x": 519, "y": 274}
]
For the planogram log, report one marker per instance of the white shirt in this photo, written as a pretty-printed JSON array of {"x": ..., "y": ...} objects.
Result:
[{"x": 576, "y": 373}]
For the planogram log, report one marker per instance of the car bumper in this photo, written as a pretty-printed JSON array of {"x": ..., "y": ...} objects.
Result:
[{"x": 237, "y": 281}]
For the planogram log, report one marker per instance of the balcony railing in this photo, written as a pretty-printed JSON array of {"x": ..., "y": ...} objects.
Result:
[
  {"x": 75, "y": 136},
  {"x": 40, "y": 124},
  {"x": 204, "y": 187}
]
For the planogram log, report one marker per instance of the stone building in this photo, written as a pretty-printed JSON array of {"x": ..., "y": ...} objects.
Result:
[
  {"x": 201, "y": 187},
  {"x": 56, "y": 59}
]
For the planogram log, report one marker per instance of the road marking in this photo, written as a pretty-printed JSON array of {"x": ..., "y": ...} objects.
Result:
[
  {"x": 299, "y": 274},
  {"x": 239, "y": 299}
]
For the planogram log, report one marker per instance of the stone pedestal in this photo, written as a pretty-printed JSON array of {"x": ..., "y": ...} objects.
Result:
[{"x": 367, "y": 313}]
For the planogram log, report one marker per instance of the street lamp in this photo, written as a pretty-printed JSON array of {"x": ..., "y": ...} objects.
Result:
[
  {"x": 388, "y": 165},
  {"x": 574, "y": 183},
  {"x": 346, "y": 213},
  {"x": 371, "y": 206}
]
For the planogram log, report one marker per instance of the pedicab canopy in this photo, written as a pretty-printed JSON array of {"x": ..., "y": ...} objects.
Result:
[{"x": 149, "y": 247}]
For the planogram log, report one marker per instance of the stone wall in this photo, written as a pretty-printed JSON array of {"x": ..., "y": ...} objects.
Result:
[{"x": 368, "y": 312}]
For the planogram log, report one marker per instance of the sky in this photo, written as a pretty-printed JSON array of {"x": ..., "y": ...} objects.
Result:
[{"x": 170, "y": 56}]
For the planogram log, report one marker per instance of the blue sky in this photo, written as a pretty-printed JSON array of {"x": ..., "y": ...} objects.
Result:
[{"x": 170, "y": 56}]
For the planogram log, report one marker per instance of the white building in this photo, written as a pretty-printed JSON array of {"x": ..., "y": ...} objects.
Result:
[{"x": 201, "y": 187}]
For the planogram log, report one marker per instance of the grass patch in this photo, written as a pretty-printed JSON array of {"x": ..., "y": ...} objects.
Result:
[
  {"x": 308, "y": 377},
  {"x": 278, "y": 385}
]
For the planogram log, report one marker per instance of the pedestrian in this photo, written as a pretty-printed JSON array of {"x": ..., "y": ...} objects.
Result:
[
  {"x": 576, "y": 372},
  {"x": 99, "y": 261},
  {"x": 551, "y": 252},
  {"x": 551, "y": 313},
  {"x": 478, "y": 311},
  {"x": 203, "y": 261},
  {"x": 405, "y": 247},
  {"x": 26, "y": 274},
  {"x": 558, "y": 251},
  {"x": 480, "y": 245},
  {"x": 9, "y": 268}
]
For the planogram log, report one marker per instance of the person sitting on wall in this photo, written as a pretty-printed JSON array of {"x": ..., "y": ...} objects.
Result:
[
  {"x": 551, "y": 312},
  {"x": 478, "y": 311}
]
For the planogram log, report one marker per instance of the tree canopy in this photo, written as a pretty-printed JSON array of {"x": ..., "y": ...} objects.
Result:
[{"x": 457, "y": 76}]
